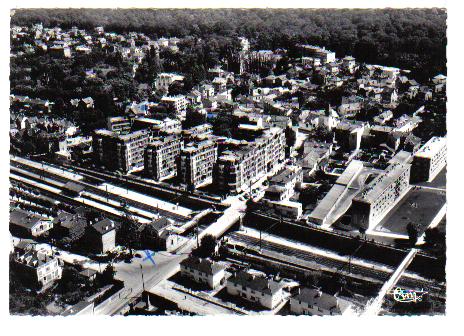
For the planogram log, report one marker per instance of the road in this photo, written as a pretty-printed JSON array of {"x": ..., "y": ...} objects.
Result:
[{"x": 142, "y": 273}]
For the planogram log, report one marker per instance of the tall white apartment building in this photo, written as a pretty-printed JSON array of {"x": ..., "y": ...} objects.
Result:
[
  {"x": 378, "y": 197},
  {"x": 120, "y": 152},
  {"x": 160, "y": 157},
  {"x": 177, "y": 104},
  {"x": 237, "y": 169},
  {"x": 429, "y": 160},
  {"x": 196, "y": 161}
]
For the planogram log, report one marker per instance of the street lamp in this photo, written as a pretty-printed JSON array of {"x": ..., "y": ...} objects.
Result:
[{"x": 143, "y": 281}]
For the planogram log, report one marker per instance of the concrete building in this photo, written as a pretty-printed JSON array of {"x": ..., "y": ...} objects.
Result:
[
  {"x": 156, "y": 126},
  {"x": 199, "y": 132},
  {"x": 326, "y": 56},
  {"x": 101, "y": 236},
  {"x": 203, "y": 271},
  {"x": 338, "y": 200},
  {"x": 177, "y": 104},
  {"x": 120, "y": 125},
  {"x": 120, "y": 152},
  {"x": 314, "y": 302},
  {"x": 349, "y": 134},
  {"x": 429, "y": 160},
  {"x": 195, "y": 163},
  {"x": 160, "y": 157},
  {"x": 281, "y": 188},
  {"x": 238, "y": 168},
  {"x": 282, "y": 185},
  {"x": 163, "y": 80},
  {"x": 39, "y": 269},
  {"x": 314, "y": 154},
  {"x": 256, "y": 288},
  {"x": 158, "y": 235},
  {"x": 378, "y": 197}
]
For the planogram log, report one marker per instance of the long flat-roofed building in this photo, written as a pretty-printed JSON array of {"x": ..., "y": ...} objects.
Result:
[
  {"x": 378, "y": 197},
  {"x": 200, "y": 131},
  {"x": 326, "y": 56},
  {"x": 339, "y": 197},
  {"x": 429, "y": 160},
  {"x": 196, "y": 162},
  {"x": 156, "y": 126},
  {"x": 120, "y": 152},
  {"x": 160, "y": 157}
]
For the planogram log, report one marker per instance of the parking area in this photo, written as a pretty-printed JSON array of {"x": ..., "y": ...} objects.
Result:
[{"x": 419, "y": 206}]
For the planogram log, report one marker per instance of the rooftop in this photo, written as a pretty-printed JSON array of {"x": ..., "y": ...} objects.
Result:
[
  {"x": 104, "y": 226},
  {"x": 284, "y": 175},
  {"x": 315, "y": 297},
  {"x": 203, "y": 265},
  {"x": 432, "y": 147},
  {"x": 24, "y": 219},
  {"x": 374, "y": 189},
  {"x": 256, "y": 282}
]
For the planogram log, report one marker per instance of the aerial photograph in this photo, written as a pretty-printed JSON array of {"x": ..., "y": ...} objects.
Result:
[{"x": 197, "y": 162}]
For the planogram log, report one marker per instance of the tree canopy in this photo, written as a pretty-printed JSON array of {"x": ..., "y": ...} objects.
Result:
[{"x": 414, "y": 39}]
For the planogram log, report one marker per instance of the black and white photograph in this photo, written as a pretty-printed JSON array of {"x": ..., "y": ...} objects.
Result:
[{"x": 227, "y": 161}]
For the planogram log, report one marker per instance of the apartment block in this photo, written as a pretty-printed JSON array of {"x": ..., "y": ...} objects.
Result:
[
  {"x": 177, "y": 104},
  {"x": 237, "y": 168},
  {"x": 429, "y": 160},
  {"x": 160, "y": 157},
  {"x": 120, "y": 152},
  {"x": 120, "y": 125},
  {"x": 378, "y": 197},
  {"x": 196, "y": 161},
  {"x": 197, "y": 132}
]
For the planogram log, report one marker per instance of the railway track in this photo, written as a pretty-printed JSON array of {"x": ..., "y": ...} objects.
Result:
[
  {"x": 58, "y": 181},
  {"x": 407, "y": 280}
]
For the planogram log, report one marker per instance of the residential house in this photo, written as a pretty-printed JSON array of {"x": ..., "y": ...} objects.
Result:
[{"x": 203, "y": 271}]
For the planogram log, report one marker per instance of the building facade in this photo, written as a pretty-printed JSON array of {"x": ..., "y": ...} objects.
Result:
[
  {"x": 429, "y": 160},
  {"x": 160, "y": 157},
  {"x": 378, "y": 197},
  {"x": 120, "y": 152},
  {"x": 237, "y": 169},
  {"x": 203, "y": 271},
  {"x": 256, "y": 288},
  {"x": 163, "y": 80},
  {"x": 195, "y": 163},
  {"x": 177, "y": 104},
  {"x": 314, "y": 302},
  {"x": 38, "y": 268}
]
